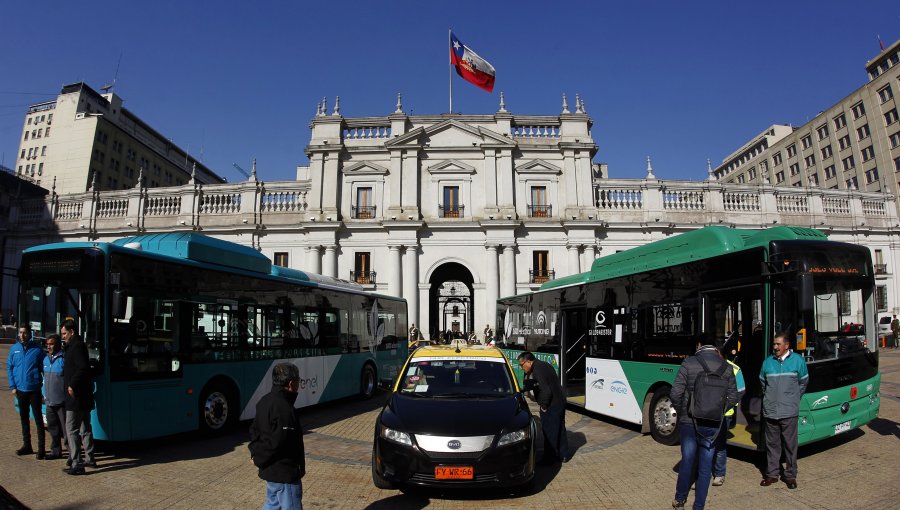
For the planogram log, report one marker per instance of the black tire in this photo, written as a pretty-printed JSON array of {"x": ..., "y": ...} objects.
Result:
[
  {"x": 218, "y": 408},
  {"x": 367, "y": 382},
  {"x": 379, "y": 482},
  {"x": 663, "y": 418}
]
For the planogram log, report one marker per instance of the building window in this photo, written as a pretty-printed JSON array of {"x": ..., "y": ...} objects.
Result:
[
  {"x": 880, "y": 267},
  {"x": 881, "y": 298},
  {"x": 776, "y": 159},
  {"x": 47, "y": 132},
  {"x": 868, "y": 153},
  {"x": 844, "y": 142},
  {"x": 897, "y": 164},
  {"x": 362, "y": 268},
  {"x": 852, "y": 183},
  {"x": 281, "y": 259},
  {"x": 795, "y": 169},
  {"x": 890, "y": 117},
  {"x": 822, "y": 131},
  {"x": 895, "y": 140},
  {"x": 871, "y": 176},
  {"x": 839, "y": 122},
  {"x": 806, "y": 141},
  {"x": 858, "y": 110},
  {"x": 364, "y": 208},
  {"x": 885, "y": 94},
  {"x": 862, "y": 132},
  {"x": 751, "y": 173},
  {"x": 826, "y": 152},
  {"x": 451, "y": 207},
  {"x": 809, "y": 160},
  {"x": 29, "y": 121},
  {"x": 830, "y": 172},
  {"x": 764, "y": 166},
  {"x": 741, "y": 179},
  {"x": 539, "y": 208},
  {"x": 791, "y": 150},
  {"x": 848, "y": 163},
  {"x": 779, "y": 177},
  {"x": 814, "y": 179},
  {"x": 41, "y": 169},
  {"x": 540, "y": 267},
  {"x": 44, "y": 150}
]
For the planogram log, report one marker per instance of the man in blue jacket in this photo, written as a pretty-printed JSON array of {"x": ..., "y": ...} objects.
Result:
[
  {"x": 55, "y": 395},
  {"x": 23, "y": 369},
  {"x": 783, "y": 378}
]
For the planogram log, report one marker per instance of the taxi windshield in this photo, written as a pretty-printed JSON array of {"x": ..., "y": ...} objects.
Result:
[{"x": 457, "y": 378}]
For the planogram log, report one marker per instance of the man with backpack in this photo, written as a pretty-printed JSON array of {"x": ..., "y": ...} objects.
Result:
[
  {"x": 783, "y": 378},
  {"x": 704, "y": 388}
]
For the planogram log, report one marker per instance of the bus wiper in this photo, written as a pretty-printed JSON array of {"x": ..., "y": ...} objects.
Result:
[{"x": 68, "y": 294}]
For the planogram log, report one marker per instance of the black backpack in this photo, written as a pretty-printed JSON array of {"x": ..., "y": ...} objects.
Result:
[{"x": 710, "y": 394}]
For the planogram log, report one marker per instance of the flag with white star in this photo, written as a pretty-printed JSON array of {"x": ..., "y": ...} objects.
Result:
[{"x": 470, "y": 66}]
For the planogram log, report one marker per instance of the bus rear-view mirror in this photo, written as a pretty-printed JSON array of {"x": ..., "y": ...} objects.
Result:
[{"x": 119, "y": 304}]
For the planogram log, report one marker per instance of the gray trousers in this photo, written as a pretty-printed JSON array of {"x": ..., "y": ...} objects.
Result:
[
  {"x": 56, "y": 425},
  {"x": 78, "y": 430},
  {"x": 781, "y": 437}
]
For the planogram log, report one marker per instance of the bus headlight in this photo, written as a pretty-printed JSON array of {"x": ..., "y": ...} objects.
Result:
[
  {"x": 396, "y": 436},
  {"x": 514, "y": 437}
]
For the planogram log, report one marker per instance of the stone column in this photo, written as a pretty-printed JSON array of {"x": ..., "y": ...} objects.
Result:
[
  {"x": 411, "y": 285},
  {"x": 394, "y": 271},
  {"x": 587, "y": 259},
  {"x": 314, "y": 260},
  {"x": 574, "y": 267},
  {"x": 509, "y": 271},
  {"x": 492, "y": 282},
  {"x": 330, "y": 261}
]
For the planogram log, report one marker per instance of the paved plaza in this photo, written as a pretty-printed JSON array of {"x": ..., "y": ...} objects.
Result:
[{"x": 614, "y": 467}]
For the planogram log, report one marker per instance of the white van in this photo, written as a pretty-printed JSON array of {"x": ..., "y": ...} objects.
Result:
[{"x": 884, "y": 325}]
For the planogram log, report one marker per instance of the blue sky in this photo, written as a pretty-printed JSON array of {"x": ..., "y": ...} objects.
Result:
[{"x": 679, "y": 81}]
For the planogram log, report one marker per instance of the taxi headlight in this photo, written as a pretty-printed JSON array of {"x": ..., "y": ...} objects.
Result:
[
  {"x": 514, "y": 437},
  {"x": 396, "y": 436}
]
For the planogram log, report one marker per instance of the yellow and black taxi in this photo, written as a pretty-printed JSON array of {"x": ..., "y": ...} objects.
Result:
[{"x": 456, "y": 418}]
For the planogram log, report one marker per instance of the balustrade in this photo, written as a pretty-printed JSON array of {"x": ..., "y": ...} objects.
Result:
[
  {"x": 112, "y": 208},
  {"x": 683, "y": 200},
  {"x": 165, "y": 205},
  {"x": 531, "y": 131},
  {"x": 613, "y": 199},
  {"x": 69, "y": 210},
  {"x": 792, "y": 204},
  {"x": 366, "y": 132},
  {"x": 836, "y": 205},
  {"x": 741, "y": 202}
]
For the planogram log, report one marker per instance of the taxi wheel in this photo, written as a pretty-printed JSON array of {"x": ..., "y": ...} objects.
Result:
[
  {"x": 379, "y": 482},
  {"x": 367, "y": 381},
  {"x": 663, "y": 418}
]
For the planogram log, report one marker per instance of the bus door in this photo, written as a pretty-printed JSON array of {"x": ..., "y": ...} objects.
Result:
[
  {"x": 733, "y": 319},
  {"x": 572, "y": 354}
]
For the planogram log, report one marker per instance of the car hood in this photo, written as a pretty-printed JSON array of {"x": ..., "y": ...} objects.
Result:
[{"x": 454, "y": 417}]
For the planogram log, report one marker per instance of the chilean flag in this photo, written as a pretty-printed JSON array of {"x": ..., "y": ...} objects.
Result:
[{"x": 470, "y": 66}]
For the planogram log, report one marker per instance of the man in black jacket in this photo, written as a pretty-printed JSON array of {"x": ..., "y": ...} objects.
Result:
[
  {"x": 698, "y": 436},
  {"x": 79, "y": 399},
  {"x": 549, "y": 395},
  {"x": 276, "y": 441}
]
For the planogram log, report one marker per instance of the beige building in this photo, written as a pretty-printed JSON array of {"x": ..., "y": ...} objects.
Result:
[
  {"x": 83, "y": 136},
  {"x": 854, "y": 144}
]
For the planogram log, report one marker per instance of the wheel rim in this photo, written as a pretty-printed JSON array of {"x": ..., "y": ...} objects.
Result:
[
  {"x": 215, "y": 410},
  {"x": 369, "y": 382},
  {"x": 664, "y": 416}
]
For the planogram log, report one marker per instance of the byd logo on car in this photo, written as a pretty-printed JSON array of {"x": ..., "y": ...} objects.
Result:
[{"x": 455, "y": 444}]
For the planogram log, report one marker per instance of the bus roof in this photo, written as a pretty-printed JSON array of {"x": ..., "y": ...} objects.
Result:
[{"x": 703, "y": 243}]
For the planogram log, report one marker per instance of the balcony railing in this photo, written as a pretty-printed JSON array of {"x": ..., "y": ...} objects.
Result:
[
  {"x": 363, "y": 212},
  {"x": 881, "y": 269},
  {"x": 363, "y": 277},
  {"x": 540, "y": 211},
  {"x": 454, "y": 211},
  {"x": 541, "y": 275}
]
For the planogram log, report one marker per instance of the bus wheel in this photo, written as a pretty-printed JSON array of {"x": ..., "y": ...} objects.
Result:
[
  {"x": 218, "y": 409},
  {"x": 663, "y": 418},
  {"x": 367, "y": 381},
  {"x": 379, "y": 482}
]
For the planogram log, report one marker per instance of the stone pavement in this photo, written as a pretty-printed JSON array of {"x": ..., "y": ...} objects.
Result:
[{"x": 614, "y": 467}]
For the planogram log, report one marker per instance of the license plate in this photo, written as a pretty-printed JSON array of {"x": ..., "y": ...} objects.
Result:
[
  {"x": 842, "y": 427},
  {"x": 454, "y": 473}
]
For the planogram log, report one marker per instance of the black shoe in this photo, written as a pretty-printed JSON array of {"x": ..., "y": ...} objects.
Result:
[
  {"x": 767, "y": 482},
  {"x": 74, "y": 471},
  {"x": 791, "y": 483},
  {"x": 41, "y": 456},
  {"x": 25, "y": 450},
  {"x": 68, "y": 462},
  {"x": 52, "y": 456},
  {"x": 91, "y": 464}
]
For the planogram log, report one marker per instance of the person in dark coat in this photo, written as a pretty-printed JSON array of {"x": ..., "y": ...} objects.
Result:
[
  {"x": 23, "y": 370},
  {"x": 79, "y": 400},
  {"x": 549, "y": 395},
  {"x": 276, "y": 441}
]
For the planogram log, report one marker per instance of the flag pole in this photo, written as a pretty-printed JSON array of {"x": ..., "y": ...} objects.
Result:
[{"x": 450, "y": 67}]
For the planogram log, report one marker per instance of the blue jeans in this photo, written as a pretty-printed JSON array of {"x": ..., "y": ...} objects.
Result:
[
  {"x": 721, "y": 441},
  {"x": 697, "y": 449},
  {"x": 283, "y": 496}
]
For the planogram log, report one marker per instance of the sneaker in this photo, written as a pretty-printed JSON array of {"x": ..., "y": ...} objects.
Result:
[
  {"x": 678, "y": 504},
  {"x": 718, "y": 481},
  {"x": 25, "y": 450}
]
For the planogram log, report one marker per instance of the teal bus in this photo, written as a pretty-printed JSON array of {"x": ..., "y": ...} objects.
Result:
[
  {"x": 618, "y": 333},
  {"x": 183, "y": 329}
]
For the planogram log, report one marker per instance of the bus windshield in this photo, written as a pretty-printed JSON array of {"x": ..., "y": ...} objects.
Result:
[{"x": 47, "y": 304}]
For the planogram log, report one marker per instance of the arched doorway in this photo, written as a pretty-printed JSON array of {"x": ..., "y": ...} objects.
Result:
[{"x": 451, "y": 300}]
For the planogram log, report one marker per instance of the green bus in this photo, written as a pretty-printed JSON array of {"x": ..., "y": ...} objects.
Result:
[
  {"x": 618, "y": 333},
  {"x": 183, "y": 329}
]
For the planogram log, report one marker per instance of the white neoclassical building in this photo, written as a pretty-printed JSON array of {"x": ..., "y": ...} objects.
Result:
[{"x": 453, "y": 211}]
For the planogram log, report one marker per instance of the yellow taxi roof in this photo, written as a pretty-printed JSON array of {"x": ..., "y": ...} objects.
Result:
[{"x": 464, "y": 351}]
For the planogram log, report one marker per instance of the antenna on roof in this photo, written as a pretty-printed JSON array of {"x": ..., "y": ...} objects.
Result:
[{"x": 109, "y": 88}]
